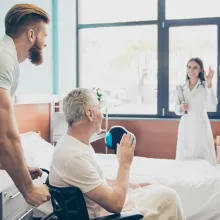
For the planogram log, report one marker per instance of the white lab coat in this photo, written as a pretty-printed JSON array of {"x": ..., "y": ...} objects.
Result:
[{"x": 195, "y": 138}]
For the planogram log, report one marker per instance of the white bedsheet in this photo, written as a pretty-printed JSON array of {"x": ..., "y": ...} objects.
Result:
[{"x": 196, "y": 182}]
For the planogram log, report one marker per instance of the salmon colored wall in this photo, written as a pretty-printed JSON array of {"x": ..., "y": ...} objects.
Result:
[
  {"x": 155, "y": 138},
  {"x": 34, "y": 117}
]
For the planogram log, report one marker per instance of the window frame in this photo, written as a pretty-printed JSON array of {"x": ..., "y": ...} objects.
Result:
[
  {"x": 163, "y": 26},
  {"x": 180, "y": 23}
]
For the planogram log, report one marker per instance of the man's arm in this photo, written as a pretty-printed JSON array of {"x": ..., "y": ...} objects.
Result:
[
  {"x": 130, "y": 185},
  {"x": 112, "y": 198},
  {"x": 11, "y": 155}
]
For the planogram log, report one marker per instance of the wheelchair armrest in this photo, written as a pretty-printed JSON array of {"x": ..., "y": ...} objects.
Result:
[
  {"x": 50, "y": 216},
  {"x": 130, "y": 215}
]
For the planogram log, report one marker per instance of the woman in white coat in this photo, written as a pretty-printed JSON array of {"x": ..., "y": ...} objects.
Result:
[{"x": 195, "y": 138}]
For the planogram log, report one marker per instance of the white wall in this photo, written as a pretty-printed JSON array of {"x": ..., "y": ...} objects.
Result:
[{"x": 67, "y": 45}]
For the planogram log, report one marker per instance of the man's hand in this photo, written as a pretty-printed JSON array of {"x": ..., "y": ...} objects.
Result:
[
  {"x": 37, "y": 195},
  {"x": 144, "y": 184},
  {"x": 125, "y": 150},
  {"x": 133, "y": 186},
  {"x": 35, "y": 172},
  {"x": 139, "y": 185}
]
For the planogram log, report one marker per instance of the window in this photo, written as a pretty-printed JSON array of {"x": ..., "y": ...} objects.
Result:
[
  {"x": 108, "y": 11},
  {"x": 179, "y": 9},
  {"x": 201, "y": 42},
  {"x": 123, "y": 62},
  {"x": 138, "y": 53}
]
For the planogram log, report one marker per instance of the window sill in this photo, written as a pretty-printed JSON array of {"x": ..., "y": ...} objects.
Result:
[{"x": 35, "y": 99}]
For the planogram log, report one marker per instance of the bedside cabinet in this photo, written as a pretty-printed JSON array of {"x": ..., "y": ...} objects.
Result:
[{"x": 12, "y": 204}]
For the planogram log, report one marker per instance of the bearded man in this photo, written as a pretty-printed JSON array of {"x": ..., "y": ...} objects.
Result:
[{"x": 25, "y": 33}]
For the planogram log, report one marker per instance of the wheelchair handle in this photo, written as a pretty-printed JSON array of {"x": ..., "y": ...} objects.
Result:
[{"x": 45, "y": 170}]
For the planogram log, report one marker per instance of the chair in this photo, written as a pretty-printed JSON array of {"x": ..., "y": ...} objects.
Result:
[{"x": 69, "y": 204}]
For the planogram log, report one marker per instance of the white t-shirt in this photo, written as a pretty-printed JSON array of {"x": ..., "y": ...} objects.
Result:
[
  {"x": 74, "y": 164},
  {"x": 9, "y": 65}
]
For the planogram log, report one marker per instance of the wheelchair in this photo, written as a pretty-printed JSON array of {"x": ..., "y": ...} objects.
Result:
[{"x": 69, "y": 204}]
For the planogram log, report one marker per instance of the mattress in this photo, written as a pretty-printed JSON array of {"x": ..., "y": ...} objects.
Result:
[{"x": 196, "y": 182}]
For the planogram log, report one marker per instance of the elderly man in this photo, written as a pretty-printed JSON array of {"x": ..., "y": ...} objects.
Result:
[{"x": 74, "y": 164}]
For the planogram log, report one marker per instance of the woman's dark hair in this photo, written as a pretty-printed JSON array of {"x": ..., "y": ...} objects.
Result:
[{"x": 201, "y": 74}]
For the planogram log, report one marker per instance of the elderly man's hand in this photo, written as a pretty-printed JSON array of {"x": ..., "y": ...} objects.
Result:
[
  {"x": 133, "y": 186},
  {"x": 35, "y": 172},
  {"x": 144, "y": 184},
  {"x": 139, "y": 185}
]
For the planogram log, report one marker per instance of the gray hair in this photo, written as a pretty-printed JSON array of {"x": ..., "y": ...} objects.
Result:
[{"x": 75, "y": 104}]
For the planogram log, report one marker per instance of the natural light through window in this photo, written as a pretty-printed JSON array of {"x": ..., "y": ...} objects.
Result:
[
  {"x": 182, "y": 9},
  {"x": 108, "y": 11},
  {"x": 123, "y": 62}
]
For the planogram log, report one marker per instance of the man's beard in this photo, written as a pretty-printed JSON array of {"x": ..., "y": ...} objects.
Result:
[{"x": 36, "y": 54}]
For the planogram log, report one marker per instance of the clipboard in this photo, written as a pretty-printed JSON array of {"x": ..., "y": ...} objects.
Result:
[{"x": 180, "y": 95}]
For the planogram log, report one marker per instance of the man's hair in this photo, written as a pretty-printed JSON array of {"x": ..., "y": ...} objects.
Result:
[
  {"x": 21, "y": 16},
  {"x": 75, "y": 104}
]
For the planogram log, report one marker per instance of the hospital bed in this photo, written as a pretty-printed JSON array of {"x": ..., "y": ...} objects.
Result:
[{"x": 196, "y": 182}]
